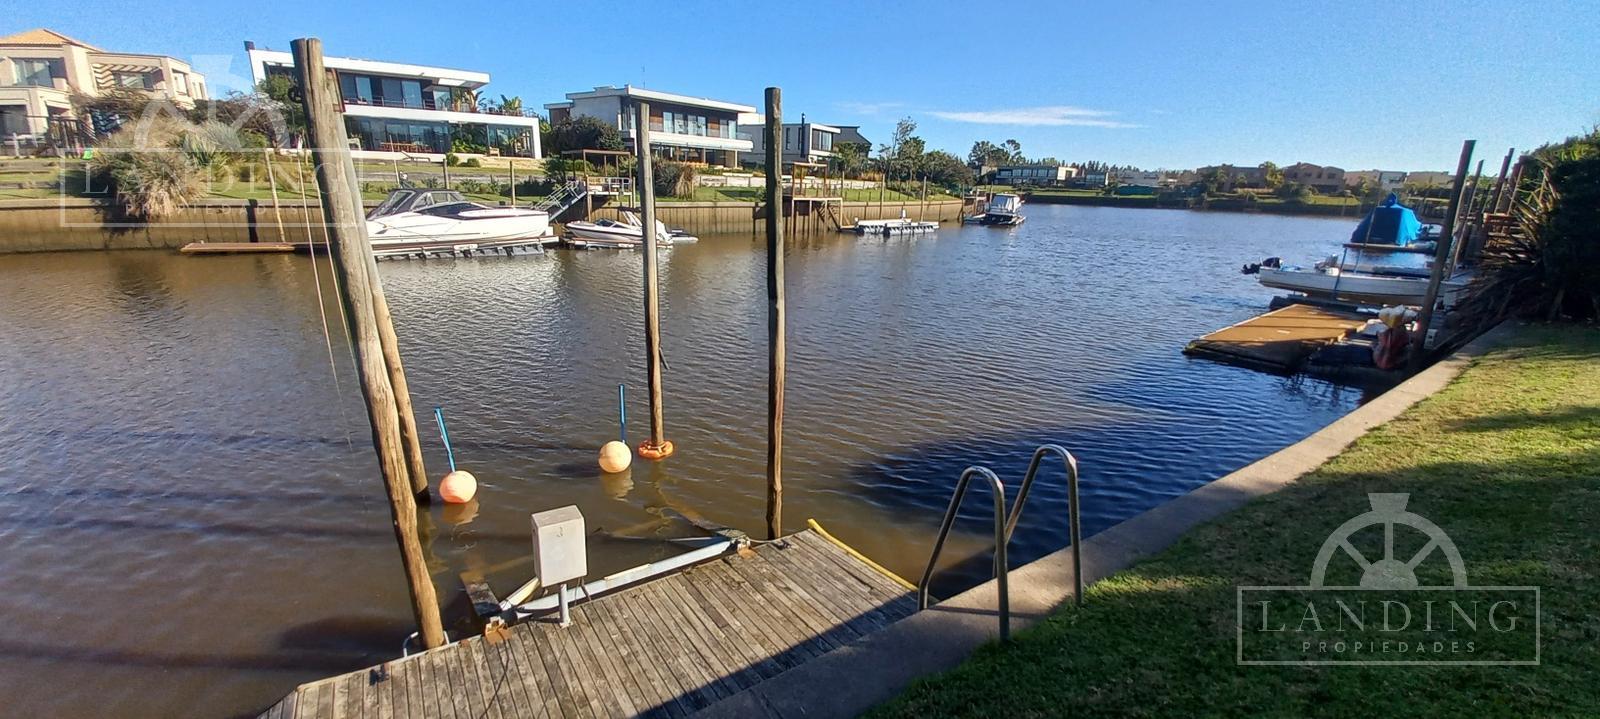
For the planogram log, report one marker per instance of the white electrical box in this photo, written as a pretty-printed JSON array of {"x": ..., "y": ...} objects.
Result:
[{"x": 560, "y": 553}]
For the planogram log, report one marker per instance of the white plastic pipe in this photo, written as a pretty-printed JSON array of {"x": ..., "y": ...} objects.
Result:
[{"x": 621, "y": 579}]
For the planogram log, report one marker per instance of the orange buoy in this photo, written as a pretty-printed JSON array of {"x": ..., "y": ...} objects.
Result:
[
  {"x": 615, "y": 457},
  {"x": 458, "y": 487},
  {"x": 650, "y": 450}
]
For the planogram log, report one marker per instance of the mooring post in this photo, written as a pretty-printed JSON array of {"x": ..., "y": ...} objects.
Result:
[
  {"x": 353, "y": 254},
  {"x": 1441, "y": 256},
  {"x": 657, "y": 446},
  {"x": 1500, "y": 182},
  {"x": 272, "y": 181},
  {"x": 1473, "y": 220},
  {"x": 775, "y": 318}
]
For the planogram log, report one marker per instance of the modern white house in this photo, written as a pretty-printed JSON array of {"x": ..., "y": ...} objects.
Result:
[
  {"x": 395, "y": 110},
  {"x": 1142, "y": 178},
  {"x": 1034, "y": 174},
  {"x": 803, "y": 141},
  {"x": 682, "y": 128},
  {"x": 41, "y": 69}
]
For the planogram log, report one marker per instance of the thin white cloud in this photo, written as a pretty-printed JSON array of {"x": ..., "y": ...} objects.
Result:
[
  {"x": 1048, "y": 115},
  {"x": 869, "y": 108}
]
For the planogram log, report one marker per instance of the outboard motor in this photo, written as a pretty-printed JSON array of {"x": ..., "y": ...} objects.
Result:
[{"x": 1255, "y": 267}]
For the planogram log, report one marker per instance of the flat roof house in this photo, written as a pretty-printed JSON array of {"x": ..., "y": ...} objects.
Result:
[
  {"x": 682, "y": 128},
  {"x": 1326, "y": 179},
  {"x": 802, "y": 141},
  {"x": 1034, "y": 174},
  {"x": 41, "y": 69},
  {"x": 393, "y": 108}
]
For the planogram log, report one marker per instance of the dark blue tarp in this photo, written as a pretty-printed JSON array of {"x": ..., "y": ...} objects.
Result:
[{"x": 1390, "y": 223}]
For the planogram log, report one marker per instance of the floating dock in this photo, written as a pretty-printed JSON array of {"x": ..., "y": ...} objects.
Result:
[
  {"x": 668, "y": 648},
  {"x": 1279, "y": 340},
  {"x": 234, "y": 248}
]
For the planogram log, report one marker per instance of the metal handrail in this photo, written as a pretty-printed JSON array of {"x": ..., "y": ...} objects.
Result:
[
  {"x": 1075, "y": 529},
  {"x": 1001, "y": 569}
]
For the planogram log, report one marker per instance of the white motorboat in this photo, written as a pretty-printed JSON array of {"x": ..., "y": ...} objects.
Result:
[
  {"x": 417, "y": 222},
  {"x": 627, "y": 234},
  {"x": 1002, "y": 211},
  {"x": 1340, "y": 285}
]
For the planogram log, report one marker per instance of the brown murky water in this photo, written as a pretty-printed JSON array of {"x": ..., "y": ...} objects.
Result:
[{"x": 193, "y": 523}]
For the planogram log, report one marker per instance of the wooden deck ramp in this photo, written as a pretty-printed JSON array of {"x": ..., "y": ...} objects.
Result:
[
  {"x": 667, "y": 648},
  {"x": 1281, "y": 339}
]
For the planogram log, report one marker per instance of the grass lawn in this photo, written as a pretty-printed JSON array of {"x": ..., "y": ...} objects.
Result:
[{"x": 1506, "y": 460}]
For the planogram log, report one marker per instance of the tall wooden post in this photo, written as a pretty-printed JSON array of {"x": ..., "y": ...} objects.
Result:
[
  {"x": 1515, "y": 184},
  {"x": 657, "y": 446},
  {"x": 1500, "y": 183},
  {"x": 1474, "y": 221},
  {"x": 775, "y": 318},
  {"x": 1441, "y": 255},
  {"x": 353, "y": 262}
]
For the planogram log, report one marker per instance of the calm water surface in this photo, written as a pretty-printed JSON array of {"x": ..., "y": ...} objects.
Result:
[{"x": 193, "y": 521}]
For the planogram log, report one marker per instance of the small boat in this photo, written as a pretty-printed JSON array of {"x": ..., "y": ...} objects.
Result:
[
  {"x": 417, "y": 222},
  {"x": 1002, "y": 211},
  {"x": 884, "y": 228},
  {"x": 1341, "y": 285},
  {"x": 628, "y": 234}
]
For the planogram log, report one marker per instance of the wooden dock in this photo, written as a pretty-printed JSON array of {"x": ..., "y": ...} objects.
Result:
[
  {"x": 1279, "y": 340},
  {"x": 667, "y": 648}
]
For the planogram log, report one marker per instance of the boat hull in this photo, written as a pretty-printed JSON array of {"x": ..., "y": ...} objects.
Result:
[
  {"x": 1359, "y": 288},
  {"x": 477, "y": 231}
]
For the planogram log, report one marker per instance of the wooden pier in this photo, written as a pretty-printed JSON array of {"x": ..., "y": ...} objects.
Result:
[
  {"x": 668, "y": 648},
  {"x": 1278, "y": 340}
]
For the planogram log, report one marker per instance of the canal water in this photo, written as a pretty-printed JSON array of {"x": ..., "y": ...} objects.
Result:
[{"x": 193, "y": 523}]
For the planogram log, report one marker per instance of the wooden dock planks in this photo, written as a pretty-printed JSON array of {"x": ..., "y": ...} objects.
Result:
[
  {"x": 1279, "y": 340},
  {"x": 667, "y": 648}
]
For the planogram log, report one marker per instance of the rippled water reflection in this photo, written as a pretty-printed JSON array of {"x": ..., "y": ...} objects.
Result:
[{"x": 190, "y": 502}]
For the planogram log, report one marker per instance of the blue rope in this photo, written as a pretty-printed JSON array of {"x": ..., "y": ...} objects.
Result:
[{"x": 438, "y": 414}]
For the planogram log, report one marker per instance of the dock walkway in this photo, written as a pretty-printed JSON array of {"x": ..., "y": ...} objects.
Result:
[
  {"x": 1279, "y": 340},
  {"x": 668, "y": 648}
]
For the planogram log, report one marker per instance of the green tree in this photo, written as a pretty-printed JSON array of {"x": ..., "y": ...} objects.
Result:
[
  {"x": 946, "y": 170},
  {"x": 582, "y": 133},
  {"x": 1013, "y": 152},
  {"x": 1272, "y": 173},
  {"x": 849, "y": 159}
]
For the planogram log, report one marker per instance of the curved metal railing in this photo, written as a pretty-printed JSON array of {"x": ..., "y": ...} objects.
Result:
[
  {"x": 1071, "y": 463},
  {"x": 1001, "y": 569}
]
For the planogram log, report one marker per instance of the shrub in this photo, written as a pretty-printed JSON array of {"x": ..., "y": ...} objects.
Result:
[
  {"x": 675, "y": 179},
  {"x": 472, "y": 162},
  {"x": 451, "y": 159}
]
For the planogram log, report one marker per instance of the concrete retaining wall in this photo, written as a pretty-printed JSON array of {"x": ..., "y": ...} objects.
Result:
[{"x": 80, "y": 224}]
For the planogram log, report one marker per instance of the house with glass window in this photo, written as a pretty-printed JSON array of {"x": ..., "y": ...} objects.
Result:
[
  {"x": 803, "y": 141},
  {"x": 682, "y": 128},
  {"x": 41, "y": 69},
  {"x": 395, "y": 110}
]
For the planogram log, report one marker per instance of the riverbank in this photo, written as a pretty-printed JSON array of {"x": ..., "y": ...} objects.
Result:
[
  {"x": 1316, "y": 207},
  {"x": 64, "y": 224},
  {"x": 1504, "y": 460}
]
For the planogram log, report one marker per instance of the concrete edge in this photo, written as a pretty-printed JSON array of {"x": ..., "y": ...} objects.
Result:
[{"x": 854, "y": 678}]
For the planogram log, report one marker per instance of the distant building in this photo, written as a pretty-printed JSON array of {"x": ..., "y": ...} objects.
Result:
[
  {"x": 1430, "y": 179},
  {"x": 393, "y": 109},
  {"x": 682, "y": 128},
  {"x": 1235, "y": 177},
  {"x": 802, "y": 141},
  {"x": 1093, "y": 179},
  {"x": 1143, "y": 178},
  {"x": 1325, "y": 179},
  {"x": 1047, "y": 175},
  {"x": 40, "y": 70},
  {"x": 1386, "y": 180},
  {"x": 851, "y": 135}
]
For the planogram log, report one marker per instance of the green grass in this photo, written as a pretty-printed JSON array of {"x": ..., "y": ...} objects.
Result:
[{"x": 1506, "y": 460}]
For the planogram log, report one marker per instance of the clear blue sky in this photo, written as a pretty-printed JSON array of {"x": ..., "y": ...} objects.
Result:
[{"x": 1392, "y": 85}]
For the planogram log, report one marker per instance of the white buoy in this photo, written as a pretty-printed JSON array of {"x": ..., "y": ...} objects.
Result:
[
  {"x": 458, "y": 487},
  {"x": 615, "y": 456}
]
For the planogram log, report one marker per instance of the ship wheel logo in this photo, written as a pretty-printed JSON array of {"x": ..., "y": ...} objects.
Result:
[{"x": 1389, "y": 572}]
